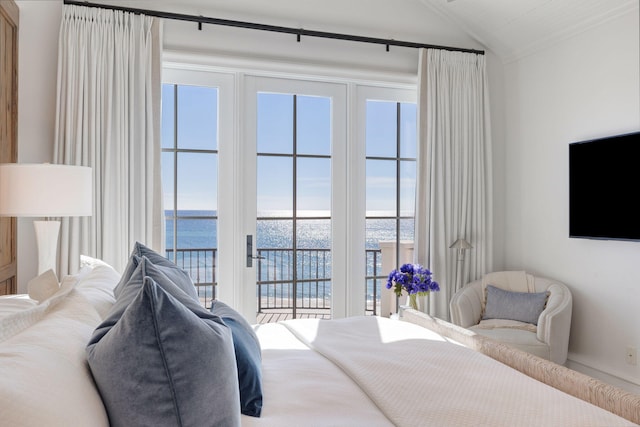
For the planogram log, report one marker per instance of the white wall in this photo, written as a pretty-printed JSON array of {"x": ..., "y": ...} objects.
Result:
[
  {"x": 37, "y": 77},
  {"x": 581, "y": 88}
]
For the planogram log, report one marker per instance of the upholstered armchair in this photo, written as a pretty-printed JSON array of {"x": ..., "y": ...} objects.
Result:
[{"x": 504, "y": 306}]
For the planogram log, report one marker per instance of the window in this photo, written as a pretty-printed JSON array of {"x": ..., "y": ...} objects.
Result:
[
  {"x": 390, "y": 137},
  {"x": 190, "y": 175}
]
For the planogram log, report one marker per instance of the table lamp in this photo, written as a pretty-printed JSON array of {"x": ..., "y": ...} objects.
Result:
[{"x": 45, "y": 190}]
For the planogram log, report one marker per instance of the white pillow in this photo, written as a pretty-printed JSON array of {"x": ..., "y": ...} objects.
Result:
[
  {"x": 45, "y": 376},
  {"x": 87, "y": 261},
  {"x": 97, "y": 287}
]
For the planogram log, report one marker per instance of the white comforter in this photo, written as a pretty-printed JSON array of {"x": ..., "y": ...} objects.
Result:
[
  {"x": 375, "y": 371},
  {"x": 303, "y": 388}
]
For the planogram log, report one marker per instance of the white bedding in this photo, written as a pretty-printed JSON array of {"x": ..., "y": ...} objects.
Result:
[
  {"x": 416, "y": 378},
  {"x": 361, "y": 371},
  {"x": 303, "y": 388}
]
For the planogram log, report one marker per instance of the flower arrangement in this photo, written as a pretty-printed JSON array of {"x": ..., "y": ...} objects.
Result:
[{"x": 414, "y": 279}]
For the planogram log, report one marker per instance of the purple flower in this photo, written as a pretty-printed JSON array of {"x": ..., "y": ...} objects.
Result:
[{"x": 412, "y": 278}]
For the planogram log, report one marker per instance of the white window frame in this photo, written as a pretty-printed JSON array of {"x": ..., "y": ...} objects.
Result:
[
  {"x": 226, "y": 273},
  {"x": 236, "y": 82}
]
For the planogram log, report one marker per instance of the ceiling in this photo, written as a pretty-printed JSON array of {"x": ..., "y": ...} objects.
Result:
[
  {"x": 515, "y": 28},
  {"x": 510, "y": 28}
]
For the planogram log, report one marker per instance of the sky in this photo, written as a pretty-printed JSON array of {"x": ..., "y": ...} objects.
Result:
[{"x": 197, "y": 122}]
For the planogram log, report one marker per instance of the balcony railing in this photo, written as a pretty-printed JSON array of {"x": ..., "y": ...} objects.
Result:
[{"x": 282, "y": 283}]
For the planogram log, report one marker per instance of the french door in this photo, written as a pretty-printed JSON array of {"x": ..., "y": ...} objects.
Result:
[
  {"x": 294, "y": 197},
  {"x": 278, "y": 191}
]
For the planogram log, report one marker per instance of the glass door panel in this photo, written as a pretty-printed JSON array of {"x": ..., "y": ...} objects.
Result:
[
  {"x": 390, "y": 146},
  {"x": 190, "y": 181},
  {"x": 293, "y": 201}
]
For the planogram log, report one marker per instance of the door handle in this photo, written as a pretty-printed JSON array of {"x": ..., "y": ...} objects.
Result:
[{"x": 250, "y": 256}]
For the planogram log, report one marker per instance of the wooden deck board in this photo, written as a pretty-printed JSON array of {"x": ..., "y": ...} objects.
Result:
[{"x": 275, "y": 315}]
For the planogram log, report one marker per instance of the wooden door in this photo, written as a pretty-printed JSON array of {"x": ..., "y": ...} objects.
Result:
[{"x": 8, "y": 133}]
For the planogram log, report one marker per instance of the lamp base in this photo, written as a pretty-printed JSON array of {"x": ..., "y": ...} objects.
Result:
[{"x": 47, "y": 238}]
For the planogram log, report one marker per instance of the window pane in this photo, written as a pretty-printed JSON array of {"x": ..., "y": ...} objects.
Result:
[
  {"x": 169, "y": 236},
  {"x": 314, "y": 187},
  {"x": 168, "y": 108},
  {"x": 313, "y": 264},
  {"x": 380, "y": 230},
  {"x": 197, "y": 233},
  {"x": 313, "y": 125},
  {"x": 197, "y": 182},
  {"x": 197, "y": 117},
  {"x": 407, "y": 187},
  {"x": 381, "y": 188},
  {"x": 408, "y": 130},
  {"x": 381, "y": 128},
  {"x": 274, "y": 234},
  {"x": 275, "y": 186},
  {"x": 313, "y": 234},
  {"x": 406, "y": 229},
  {"x": 275, "y": 123},
  {"x": 167, "y": 181}
]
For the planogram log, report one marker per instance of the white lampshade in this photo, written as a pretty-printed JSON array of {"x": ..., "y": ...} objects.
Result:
[{"x": 45, "y": 190}]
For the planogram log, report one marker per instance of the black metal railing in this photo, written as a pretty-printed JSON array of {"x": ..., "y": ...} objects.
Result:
[
  {"x": 201, "y": 266},
  {"x": 277, "y": 288}
]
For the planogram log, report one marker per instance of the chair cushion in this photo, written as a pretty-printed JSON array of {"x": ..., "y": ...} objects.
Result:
[
  {"x": 522, "y": 306},
  {"x": 518, "y": 338}
]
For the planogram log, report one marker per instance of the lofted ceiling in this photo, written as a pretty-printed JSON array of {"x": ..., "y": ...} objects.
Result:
[
  {"x": 510, "y": 28},
  {"x": 515, "y": 28}
]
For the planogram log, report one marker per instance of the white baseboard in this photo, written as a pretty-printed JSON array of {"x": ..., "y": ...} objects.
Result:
[{"x": 574, "y": 362}]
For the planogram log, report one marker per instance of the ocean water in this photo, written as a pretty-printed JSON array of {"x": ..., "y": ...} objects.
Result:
[
  {"x": 196, "y": 233},
  {"x": 274, "y": 241}
]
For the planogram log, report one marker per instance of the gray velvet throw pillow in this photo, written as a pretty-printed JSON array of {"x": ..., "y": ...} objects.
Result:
[
  {"x": 177, "y": 275},
  {"x": 161, "y": 359},
  {"x": 522, "y": 306}
]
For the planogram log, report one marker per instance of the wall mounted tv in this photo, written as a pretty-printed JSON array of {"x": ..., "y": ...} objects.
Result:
[{"x": 604, "y": 188}]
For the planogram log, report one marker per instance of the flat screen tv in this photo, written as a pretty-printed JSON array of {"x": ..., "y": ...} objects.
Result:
[{"x": 604, "y": 188}]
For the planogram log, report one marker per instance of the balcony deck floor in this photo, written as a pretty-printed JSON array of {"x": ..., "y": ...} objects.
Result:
[{"x": 276, "y": 315}]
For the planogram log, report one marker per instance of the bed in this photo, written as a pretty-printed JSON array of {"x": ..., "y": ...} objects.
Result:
[{"x": 359, "y": 371}]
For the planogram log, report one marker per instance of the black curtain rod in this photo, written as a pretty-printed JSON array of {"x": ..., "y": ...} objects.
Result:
[{"x": 299, "y": 32}]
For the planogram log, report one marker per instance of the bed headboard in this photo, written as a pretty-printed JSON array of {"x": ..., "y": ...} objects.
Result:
[{"x": 8, "y": 135}]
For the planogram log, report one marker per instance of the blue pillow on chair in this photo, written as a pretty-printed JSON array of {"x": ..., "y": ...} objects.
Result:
[
  {"x": 521, "y": 306},
  {"x": 248, "y": 358}
]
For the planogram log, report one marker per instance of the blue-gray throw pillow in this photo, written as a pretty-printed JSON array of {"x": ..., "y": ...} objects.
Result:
[
  {"x": 177, "y": 275},
  {"x": 522, "y": 306},
  {"x": 248, "y": 358},
  {"x": 129, "y": 290},
  {"x": 132, "y": 264},
  {"x": 163, "y": 363}
]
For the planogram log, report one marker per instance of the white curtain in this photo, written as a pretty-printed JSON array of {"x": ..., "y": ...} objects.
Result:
[
  {"x": 108, "y": 118},
  {"x": 454, "y": 180}
]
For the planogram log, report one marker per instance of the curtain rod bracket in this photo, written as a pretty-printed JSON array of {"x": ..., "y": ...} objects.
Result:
[
  {"x": 200, "y": 25},
  {"x": 387, "y": 48},
  {"x": 299, "y": 35}
]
